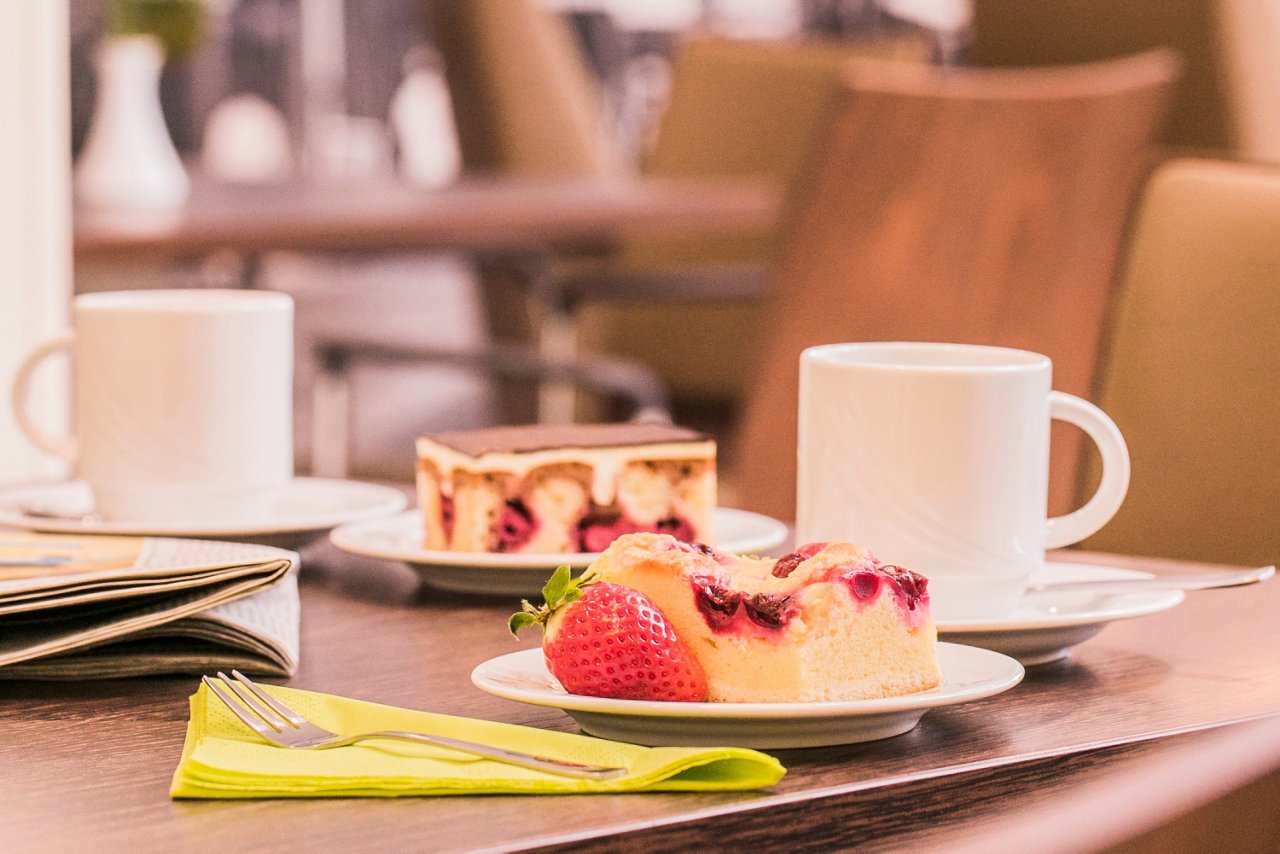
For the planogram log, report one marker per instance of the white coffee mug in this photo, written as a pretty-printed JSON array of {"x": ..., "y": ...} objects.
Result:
[
  {"x": 936, "y": 457},
  {"x": 183, "y": 403}
]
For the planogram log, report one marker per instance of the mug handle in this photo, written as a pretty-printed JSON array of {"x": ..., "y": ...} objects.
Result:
[
  {"x": 59, "y": 447},
  {"x": 1098, "y": 510}
]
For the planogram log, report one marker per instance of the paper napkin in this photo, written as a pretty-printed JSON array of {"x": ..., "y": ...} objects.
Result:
[{"x": 222, "y": 758}]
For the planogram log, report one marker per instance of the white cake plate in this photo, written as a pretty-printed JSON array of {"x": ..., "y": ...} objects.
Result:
[
  {"x": 400, "y": 538},
  {"x": 968, "y": 673}
]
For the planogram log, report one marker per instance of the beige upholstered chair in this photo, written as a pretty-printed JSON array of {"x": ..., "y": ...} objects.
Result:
[
  {"x": 1228, "y": 100},
  {"x": 969, "y": 206},
  {"x": 1021, "y": 34},
  {"x": 1192, "y": 376}
]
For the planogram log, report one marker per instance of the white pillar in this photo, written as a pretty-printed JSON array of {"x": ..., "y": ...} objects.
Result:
[
  {"x": 1249, "y": 32},
  {"x": 35, "y": 211}
]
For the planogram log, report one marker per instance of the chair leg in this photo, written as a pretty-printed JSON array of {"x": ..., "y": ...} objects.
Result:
[
  {"x": 556, "y": 334},
  {"x": 330, "y": 420},
  {"x": 558, "y": 345}
]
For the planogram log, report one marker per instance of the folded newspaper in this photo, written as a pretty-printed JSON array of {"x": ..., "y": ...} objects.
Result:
[{"x": 85, "y": 607}]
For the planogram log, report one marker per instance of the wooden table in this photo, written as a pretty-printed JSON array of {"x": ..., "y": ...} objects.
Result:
[
  {"x": 86, "y": 766},
  {"x": 475, "y": 214}
]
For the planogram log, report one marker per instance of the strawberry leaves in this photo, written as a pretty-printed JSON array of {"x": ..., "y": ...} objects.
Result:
[
  {"x": 558, "y": 587},
  {"x": 560, "y": 590},
  {"x": 522, "y": 620}
]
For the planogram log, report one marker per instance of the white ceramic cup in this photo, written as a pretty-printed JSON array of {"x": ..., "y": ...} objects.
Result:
[
  {"x": 183, "y": 403},
  {"x": 936, "y": 457}
]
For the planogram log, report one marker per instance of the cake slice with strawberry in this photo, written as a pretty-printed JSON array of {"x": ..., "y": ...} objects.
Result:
[{"x": 828, "y": 622}]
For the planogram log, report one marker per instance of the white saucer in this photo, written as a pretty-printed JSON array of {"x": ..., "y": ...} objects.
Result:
[
  {"x": 400, "y": 538},
  {"x": 1047, "y": 624},
  {"x": 307, "y": 508},
  {"x": 968, "y": 673}
]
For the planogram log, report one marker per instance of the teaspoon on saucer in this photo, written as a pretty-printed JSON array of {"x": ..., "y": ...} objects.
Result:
[
  {"x": 37, "y": 512},
  {"x": 1195, "y": 581}
]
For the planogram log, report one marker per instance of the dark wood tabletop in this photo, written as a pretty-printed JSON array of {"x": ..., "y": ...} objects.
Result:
[
  {"x": 478, "y": 213},
  {"x": 87, "y": 765}
]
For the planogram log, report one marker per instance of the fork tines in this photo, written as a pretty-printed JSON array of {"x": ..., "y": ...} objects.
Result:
[{"x": 252, "y": 705}]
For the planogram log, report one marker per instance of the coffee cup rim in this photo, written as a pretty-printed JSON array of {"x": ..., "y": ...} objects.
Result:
[
  {"x": 898, "y": 356},
  {"x": 185, "y": 300}
]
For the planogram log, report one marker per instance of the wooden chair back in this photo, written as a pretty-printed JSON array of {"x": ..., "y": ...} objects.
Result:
[
  {"x": 523, "y": 97},
  {"x": 1192, "y": 372},
  {"x": 964, "y": 206}
]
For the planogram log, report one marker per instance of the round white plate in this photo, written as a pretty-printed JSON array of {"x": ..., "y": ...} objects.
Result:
[
  {"x": 308, "y": 507},
  {"x": 400, "y": 538},
  {"x": 968, "y": 673},
  {"x": 1047, "y": 624}
]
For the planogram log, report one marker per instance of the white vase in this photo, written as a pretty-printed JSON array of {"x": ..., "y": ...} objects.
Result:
[{"x": 129, "y": 170}]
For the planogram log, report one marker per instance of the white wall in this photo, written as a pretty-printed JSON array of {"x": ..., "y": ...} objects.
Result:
[
  {"x": 35, "y": 214},
  {"x": 1251, "y": 35}
]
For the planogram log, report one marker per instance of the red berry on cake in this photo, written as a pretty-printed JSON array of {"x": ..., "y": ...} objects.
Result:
[
  {"x": 608, "y": 640},
  {"x": 787, "y": 564}
]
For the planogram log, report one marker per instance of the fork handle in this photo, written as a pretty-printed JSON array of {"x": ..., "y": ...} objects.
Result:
[{"x": 510, "y": 757}]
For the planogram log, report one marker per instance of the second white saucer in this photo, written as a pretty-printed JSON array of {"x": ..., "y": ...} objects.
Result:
[
  {"x": 306, "y": 509},
  {"x": 1047, "y": 624}
]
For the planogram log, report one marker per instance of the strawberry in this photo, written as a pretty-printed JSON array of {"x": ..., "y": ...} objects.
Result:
[{"x": 609, "y": 640}]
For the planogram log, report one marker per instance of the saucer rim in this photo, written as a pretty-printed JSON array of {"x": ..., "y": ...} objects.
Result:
[
  {"x": 390, "y": 501},
  {"x": 1128, "y": 605}
]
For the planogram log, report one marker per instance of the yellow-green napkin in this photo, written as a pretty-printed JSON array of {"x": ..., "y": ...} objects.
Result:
[{"x": 222, "y": 758}]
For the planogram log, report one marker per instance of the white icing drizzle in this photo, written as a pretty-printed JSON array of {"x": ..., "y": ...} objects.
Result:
[{"x": 607, "y": 464}]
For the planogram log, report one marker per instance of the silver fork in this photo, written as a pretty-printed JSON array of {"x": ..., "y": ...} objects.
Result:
[{"x": 282, "y": 726}]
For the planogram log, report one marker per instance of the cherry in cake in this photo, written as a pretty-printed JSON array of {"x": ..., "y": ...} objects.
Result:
[
  {"x": 827, "y": 622},
  {"x": 564, "y": 488}
]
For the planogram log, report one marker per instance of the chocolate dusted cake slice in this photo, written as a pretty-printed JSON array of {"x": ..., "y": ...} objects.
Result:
[{"x": 564, "y": 488}]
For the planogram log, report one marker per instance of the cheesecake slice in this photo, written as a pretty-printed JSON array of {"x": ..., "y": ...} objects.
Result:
[
  {"x": 564, "y": 488},
  {"x": 828, "y": 622}
]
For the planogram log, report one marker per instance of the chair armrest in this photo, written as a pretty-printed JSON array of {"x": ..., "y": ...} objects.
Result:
[
  {"x": 628, "y": 381},
  {"x": 731, "y": 282}
]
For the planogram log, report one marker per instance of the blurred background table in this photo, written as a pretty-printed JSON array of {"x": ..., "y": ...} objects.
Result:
[
  {"x": 517, "y": 224},
  {"x": 475, "y": 214},
  {"x": 87, "y": 765}
]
